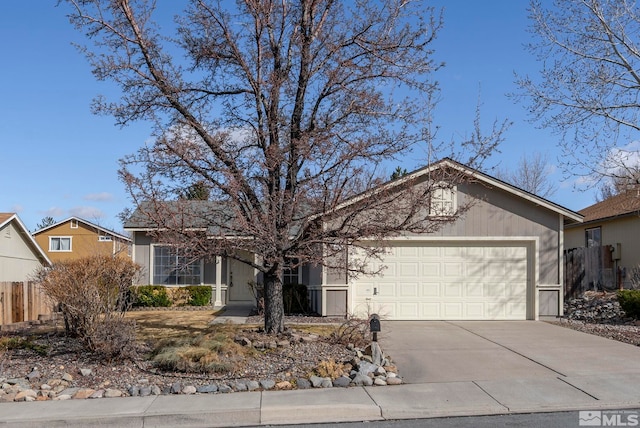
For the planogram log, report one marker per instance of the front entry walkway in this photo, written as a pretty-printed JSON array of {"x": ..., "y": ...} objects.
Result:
[{"x": 234, "y": 313}]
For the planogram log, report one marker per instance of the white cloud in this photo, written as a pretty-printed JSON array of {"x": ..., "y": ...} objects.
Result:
[
  {"x": 17, "y": 209},
  {"x": 100, "y": 197},
  {"x": 625, "y": 157},
  {"x": 54, "y": 212},
  {"x": 87, "y": 213}
]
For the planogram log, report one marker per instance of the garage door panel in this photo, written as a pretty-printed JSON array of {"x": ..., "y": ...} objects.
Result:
[
  {"x": 408, "y": 269},
  {"x": 466, "y": 280},
  {"x": 495, "y": 290},
  {"x": 387, "y": 289},
  {"x": 451, "y": 269},
  {"x": 409, "y": 251},
  {"x": 431, "y": 289},
  {"x": 409, "y": 310},
  {"x": 453, "y": 289},
  {"x": 430, "y": 251},
  {"x": 408, "y": 289},
  {"x": 474, "y": 290},
  {"x": 431, "y": 269},
  {"x": 453, "y": 251},
  {"x": 475, "y": 269},
  {"x": 474, "y": 310},
  {"x": 452, "y": 310}
]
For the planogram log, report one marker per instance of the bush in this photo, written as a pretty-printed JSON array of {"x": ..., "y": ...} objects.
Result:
[
  {"x": 295, "y": 298},
  {"x": 199, "y": 295},
  {"x": 161, "y": 296},
  {"x": 93, "y": 294},
  {"x": 630, "y": 302},
  {"x": 151, "y": 296}
]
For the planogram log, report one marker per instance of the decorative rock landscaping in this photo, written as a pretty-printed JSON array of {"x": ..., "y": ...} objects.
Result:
[
  {"x": 595, "y": 307},
  {"x": 367, "y": 367}
]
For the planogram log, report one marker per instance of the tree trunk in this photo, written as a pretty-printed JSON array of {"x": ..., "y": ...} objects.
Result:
[{"x": 273, "y": 304}]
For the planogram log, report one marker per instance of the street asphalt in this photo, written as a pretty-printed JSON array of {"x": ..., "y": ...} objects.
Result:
[{"x": 453, "y": 369}]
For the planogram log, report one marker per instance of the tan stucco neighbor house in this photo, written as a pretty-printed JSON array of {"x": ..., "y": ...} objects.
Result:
[
  {"x": 615, "y": 222},
  {"x": 20, "y": 255},
  {"x": 501, "y": 260},
  {"x": 75, "y": 238}
]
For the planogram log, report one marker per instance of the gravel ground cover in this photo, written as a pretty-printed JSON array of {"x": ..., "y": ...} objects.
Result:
[{"x": 55, "y": 356}]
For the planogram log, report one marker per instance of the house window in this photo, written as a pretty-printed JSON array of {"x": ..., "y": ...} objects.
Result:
[
  {"x": 74, "y": 224},
  {"x": 593, "y": 237},
  {"x": 172, "y": 267},
  {"x": 103, "y": 238},
  {"x": 60, "y": 243},
  {"x": 292, "y": 275},
  {"x": 443, "y": 200}
]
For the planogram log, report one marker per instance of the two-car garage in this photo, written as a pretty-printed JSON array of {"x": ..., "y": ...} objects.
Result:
[{"x": 449, "y": 280}]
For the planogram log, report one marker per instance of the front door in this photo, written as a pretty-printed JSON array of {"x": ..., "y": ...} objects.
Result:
[{"x": 239, "y": 276}]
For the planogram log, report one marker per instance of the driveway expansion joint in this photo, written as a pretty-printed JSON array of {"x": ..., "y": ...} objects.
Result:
[
  {"x": 492, "y": 397},
  {"x": 579, "y": 389},
  {"x": 507, "y": 348}
]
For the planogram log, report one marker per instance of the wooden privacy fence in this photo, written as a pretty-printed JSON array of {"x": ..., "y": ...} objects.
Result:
[
  {"x": 588, "y": 268},
  {"x": 22, "y": 301}
]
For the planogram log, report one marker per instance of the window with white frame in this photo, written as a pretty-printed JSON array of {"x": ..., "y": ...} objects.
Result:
[
  {"x": 443, "y": 200},
  {"x": 74, "y": 224},
  {"x": 104, "y": 238},
  {"x": 173, "y": 267},
  {"x": 292, "y": 272},
  {"x": 59, "y": 243}
]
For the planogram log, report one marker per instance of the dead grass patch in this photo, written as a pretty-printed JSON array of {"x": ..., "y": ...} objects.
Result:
[
  {"x": 211, "y": 353},
  {"x": 158, "y": 325}
]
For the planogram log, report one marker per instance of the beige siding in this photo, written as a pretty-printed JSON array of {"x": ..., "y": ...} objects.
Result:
[
  {"x": 624, "y": 231},
  {"x": 496, "y": 213},
  {"x": 17, "y": 258}
]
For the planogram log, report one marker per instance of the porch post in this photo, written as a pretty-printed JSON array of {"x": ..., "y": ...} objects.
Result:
[{"x": 218, "y": 302}]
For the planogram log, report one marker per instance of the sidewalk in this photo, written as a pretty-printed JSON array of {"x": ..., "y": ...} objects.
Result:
[
  {"x": 234, "y": 314},
  {"x": 426, "y": 400}
]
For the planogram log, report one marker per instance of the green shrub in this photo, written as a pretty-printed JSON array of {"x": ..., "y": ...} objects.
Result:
[
  {"x": 151, "y": 295},
  {"x": 630, "y": 302},
  {"x": 296, "y": 298},
  {"x": 199, "y": 295}
]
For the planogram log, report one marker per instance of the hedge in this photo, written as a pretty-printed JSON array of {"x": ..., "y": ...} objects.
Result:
[
  {"x": 199, "y": 295},
  {"x": 160, "y": 296},
  {"x": 151, "y": 295}
]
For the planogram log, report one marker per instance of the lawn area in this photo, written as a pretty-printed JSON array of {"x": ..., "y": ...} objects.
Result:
[{"x": 156, "y": 325}]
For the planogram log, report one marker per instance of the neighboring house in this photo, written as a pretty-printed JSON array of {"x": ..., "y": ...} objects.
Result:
[
  {"x": 501, "y": 260},
  {"x": 615, "y": 222},
  {"x": 20, "y": 255},
  {"x": 75, "y": 238}
]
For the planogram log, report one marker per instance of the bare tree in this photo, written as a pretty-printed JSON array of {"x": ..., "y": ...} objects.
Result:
[
  {"x": 589, "y": 85},
  {"x": 619, "y": 183},
  {"x": 45, "y": 222},
  {"x": 532, "y": 174},
  {"x": 287, "y": 112}
]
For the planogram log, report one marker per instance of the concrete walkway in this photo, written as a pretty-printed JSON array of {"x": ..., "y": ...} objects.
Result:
[
  {"x": 234, "y": 313},
  {"x": 468, "y": 368}
]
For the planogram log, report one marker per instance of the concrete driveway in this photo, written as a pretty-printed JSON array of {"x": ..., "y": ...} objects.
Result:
[{"x": 520, "y": 365}]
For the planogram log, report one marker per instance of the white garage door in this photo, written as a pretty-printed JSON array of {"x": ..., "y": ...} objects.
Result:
[{"x": 447, "y": 281}]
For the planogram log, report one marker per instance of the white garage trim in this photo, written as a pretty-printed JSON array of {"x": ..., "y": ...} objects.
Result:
[{"x": 504, "y": 285}]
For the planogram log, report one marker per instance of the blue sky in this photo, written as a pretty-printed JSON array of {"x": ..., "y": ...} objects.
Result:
[{"x": 60, "y": 160}]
